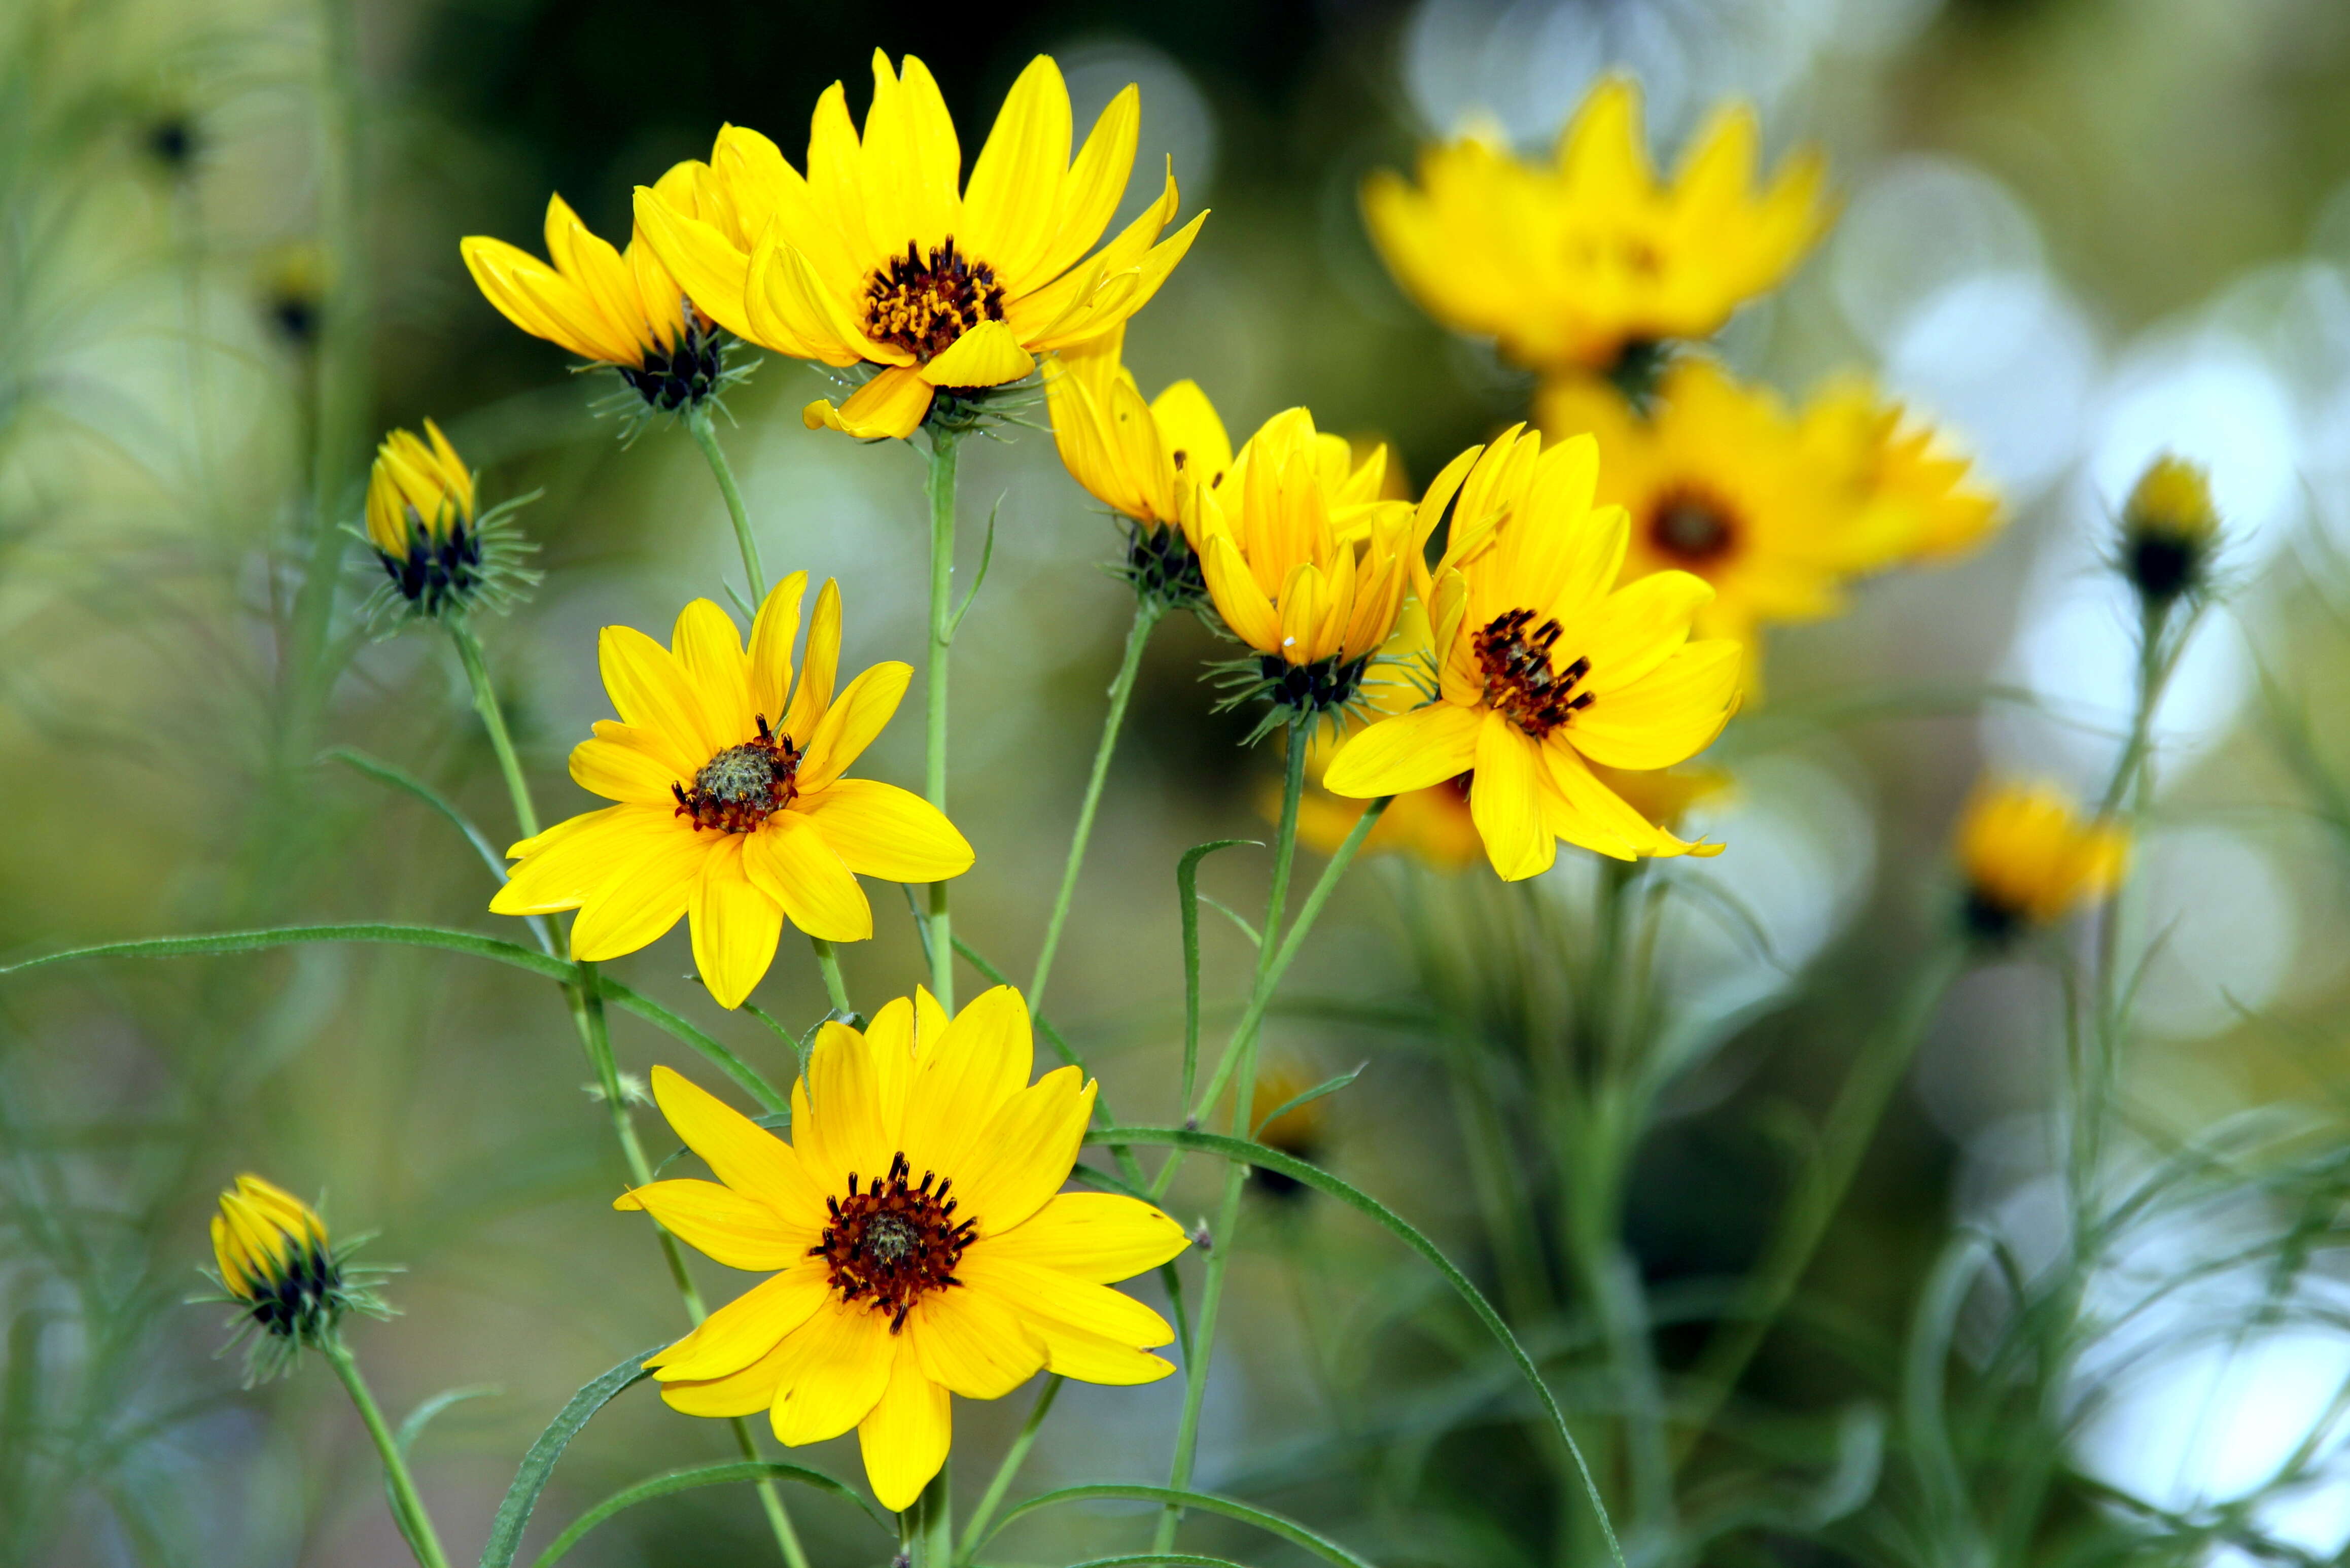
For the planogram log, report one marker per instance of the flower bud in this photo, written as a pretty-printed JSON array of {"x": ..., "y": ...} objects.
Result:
[
  {"x": 441, "y": 559},
  {"x": 277, "y": 1264},
  {"x": 2169, "y": 531}
]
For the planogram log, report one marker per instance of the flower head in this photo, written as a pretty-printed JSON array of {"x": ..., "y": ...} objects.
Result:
[
  {"x": 1546, "y": 667},
  {"x": 620, "y": 309},
  {"x": 1140, "y": 459},
  {"x": 274, "y": 1261},
  {"x": 2028, "y": 858},
  {"x": 1298, "y": 1131},
  {"x": 733, "y": 809},
  {"x": 1572, "y": 265},
  {"x": 1780, "y": 511},
  {"x": 916, "y": 1237},
  {"x": 2169, "y": 530},
  {"x": 441, "y": 559},
  {"x": 1307, "y": 562},
  {"x": 880, "y": 257}
]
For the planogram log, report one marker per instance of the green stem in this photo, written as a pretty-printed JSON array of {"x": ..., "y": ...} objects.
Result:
[
  {"x": 1013, "y": 1458},
  {"x": 1819, "y": 1191},
  {"x": 415, "y": 1523},
  {"x": 934, "y": 1521},
  {"x": 1243, "y": 1056},
  {"x": 1147, "y": 612},
  {"x": 706, "y": 437},
  {"x": 835, "y": 987},
  {"x": 493, "y": 718},
  {"x": 941, "y": 491}
]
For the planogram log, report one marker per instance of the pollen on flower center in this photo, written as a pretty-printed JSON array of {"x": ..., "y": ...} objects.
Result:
[
  {"x": 1520, "y": 683},
  {"x": 1691, "y": 528},
  {"x": 895, "y": 1242},
  {"x": 742, "y": 785},
  {"x": 923, "y": 307}
]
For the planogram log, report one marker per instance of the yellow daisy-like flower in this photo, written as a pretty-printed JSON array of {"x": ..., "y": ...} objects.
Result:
[
  {"x": 620, "y": 309},
  {"x": 881, "y": 257},
  {"x": 917, "y": 1237},
  {"x": 1569, "y": 266},
  {"x": 1136, "y": 458},
  {"x": 2029, "y": 859},
  {"x": 1546, "y": 667},
  {"x": 733, "y": 807},
  {"x": 1780, "y": 513}
]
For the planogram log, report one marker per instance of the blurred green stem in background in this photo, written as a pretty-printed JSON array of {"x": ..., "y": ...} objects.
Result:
[
  {"x": 934, "y": 1521},
  {"x": 1819, "y": 1191},
  {"x": 705, "y": 436},
  {"x": 1146, "y": 611},
  {"x": 1013, "y": 1458},
  {"x": 588, "y": 1017},
  {"x": 940, "y": 488},
  {"x": 834, "y": 988},
  {"x": 415, "y": 1524}
]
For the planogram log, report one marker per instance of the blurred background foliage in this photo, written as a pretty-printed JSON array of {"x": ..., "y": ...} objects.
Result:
[{"x": 2078, "y": 231}]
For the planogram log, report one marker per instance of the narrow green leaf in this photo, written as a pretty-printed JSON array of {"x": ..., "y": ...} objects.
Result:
[
  {"x": 700, "y": 1476},
  {"x": 1321, "y": 1180},
  {"x": 1288, "y": 1529},
  {"x": 399, "y": 778},
  {"x": 413, "y": 1427},
  {"x": 1172, "y": 1559},
  {"x": 1327, "y": 1086},
  {"x": 753, "y": 1082},
  {"x": 1239, "y": 920},
  {"x": 986, "y": 555},
  {"x": 1187, "y": 899},
  {"x": 514, "y": 1513}
]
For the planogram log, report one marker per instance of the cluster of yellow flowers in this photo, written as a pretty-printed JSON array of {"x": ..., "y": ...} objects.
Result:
[{"x": 1517, "y": 658}]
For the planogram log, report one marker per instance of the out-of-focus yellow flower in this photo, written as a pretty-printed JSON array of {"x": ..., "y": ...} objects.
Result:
[
  {"x": 874, "y": 258},
  {"x": 1546, "y": 667},
  {"x": 1571, "y": 265},
  {"x": 1298, "y": 1131},
  {"x": 733, "y": 812},
  {"x": 2169, "y": 530},
  {"x": 1307, "y": 564},
  {"x": 2028, "y": 858},
  {"x": 1780, "y": 513},
  {"x": 620, "y": 309},
  {"x": 915, "y": 1236}
]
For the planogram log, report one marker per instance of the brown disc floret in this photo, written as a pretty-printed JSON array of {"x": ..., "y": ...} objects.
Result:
[
  {"x": 742, "y": 785},
  {"x": 895, "y": 1242},
  {"x": 922, "y": 306},
  {"x": 1520, "y": 683}
]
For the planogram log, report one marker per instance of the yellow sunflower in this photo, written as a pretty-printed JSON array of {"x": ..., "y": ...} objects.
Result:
[
  {"x": 2028, "y": 858},
  {"x": 1136, "y": 458},
  {"x": 1569, "y": 266},
  {"x": 878, "y": 255},
  {"x": 620, "y": 309},
  {"x": 733, "y": 807},
  {"x": 1909, "y": 471},
  {"x": 1546, "y": 667},
  {"x": 1780, "y": 513},
  {"x": 917, "y": 1237}
]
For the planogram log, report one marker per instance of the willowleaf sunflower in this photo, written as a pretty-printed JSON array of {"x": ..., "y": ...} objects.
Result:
[
  {"x": 1782, "y": 513},
  {"x": 620, "y": 309},
  {"x": 2029, "y": 859},
  {"x": 290, "y": 1283},
  {"x": 440, "y": 558},
  {"x": 915, "y": 1236},
  {"x": 880, "y": 256},
  {"x": 1572, "y": 265},
  {"x": 1546, "y": 667},
  {"x": 733, "y": 810}
]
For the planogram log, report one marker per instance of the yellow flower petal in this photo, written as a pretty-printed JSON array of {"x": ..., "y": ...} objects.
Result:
[
  {"x": 772, "y": 635},
  {"x": 965, "y": 1076},
  {"x": 973, "y": 1343},
  {"x": 744, "y": 1393},
  {"x": 1096, "y": 182},
  {"x": 1666, "y": 717},
  {"x": 789, "y": 860},
  {"x": 708, "y": 653},
  {"x": 986, "y": 356},
  {"x": 1049, "y": 1300},
  {"x": 848, "y": 726},
  {"x": 904, "y": 1439},
  {"x": 834, "y": 1370},
  {"x": 563, "y": 868},
  {"x": 1410, "y": 751},
  {"x": 623, "y": 773},
  {"x": 1012, "y": 203},
  {"x": 1504, "y": 803},
  {"x": 651, "y": 692},
  {"x": 813, "y": 695},
  {"x": 891, "y": 404},
  {"x": 1099, "y": 1236},
  {"x": 735, "y": 925},
  {"x": 636, "y": 907},
  {"x": 739, "y": 1152},
  {"x": 843, "y": 1134},
  {"x": 880, "y": 830},
  {"x": 1024, "y": 1153},
  {"x": 722, "y": 1224},
  {"x": 743, "y": 1332}
]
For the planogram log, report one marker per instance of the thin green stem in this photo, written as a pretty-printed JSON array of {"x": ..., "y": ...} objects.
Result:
[
  {"x": 1013, "y": 1458},
  {"x": 705, "y": 436},
  {"x": 835, "y": 987},
  {"x": 941, "y": 491},
  {"x": 1243, "y": 1054},
  {"x": 493, "y": 718},
  {"x": 934, "y": 1521},
  {"x": 1146, "y": 611},
  {"x": 1819, "y": 1191},
  {"x": 416, "y": 1524}
]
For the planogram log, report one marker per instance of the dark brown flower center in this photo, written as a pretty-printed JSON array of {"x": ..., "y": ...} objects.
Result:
[
  {"x": 923, "y": 306},
  {"x": 1691, "y": 528},
  {"x": 1520, "y": 683},
  {"x": 742, "y": 785},
  {"x": 894, "y": 1243}
]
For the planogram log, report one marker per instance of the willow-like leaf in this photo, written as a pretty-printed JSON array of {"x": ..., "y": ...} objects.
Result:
[
  {"x": 1288, "y": 1529},
  {"x": 413, "y": 1427},
  {"x": 700, "y": 1476},
  {"x": 1186, "y": 901},
  {"x": 513, "y": 1513},
  {"x": 1322, "y": 1181},
  {"x": 399, "y": 778},
  {"x": 1326, "y": 1086}
]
